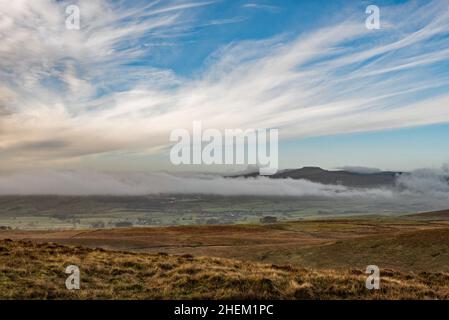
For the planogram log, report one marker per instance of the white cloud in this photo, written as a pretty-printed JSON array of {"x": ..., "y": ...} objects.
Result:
[
  {"x": 101, "y": 183},
  {"x": 260, "y": 6},
  {"x": 423, "y": 190}
]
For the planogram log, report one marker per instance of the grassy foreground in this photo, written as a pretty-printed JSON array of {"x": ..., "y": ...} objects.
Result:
[{"x": 31, "y": 270}]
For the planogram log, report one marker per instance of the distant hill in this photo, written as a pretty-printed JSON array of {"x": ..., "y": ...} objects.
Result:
[
  {"x": 434, "y": 215},
  {"x": 341, "y": 177}
]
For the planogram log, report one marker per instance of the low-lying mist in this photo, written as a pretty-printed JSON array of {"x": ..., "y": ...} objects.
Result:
[{"x": 419, "y": 190}]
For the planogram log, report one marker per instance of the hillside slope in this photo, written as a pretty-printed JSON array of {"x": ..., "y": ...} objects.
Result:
[
  {"x": 434, "y": 215},
  {"x": 36, "y": 271},
  {"x": 401, "y": 244},
  {"x": 340, "y": 177}
]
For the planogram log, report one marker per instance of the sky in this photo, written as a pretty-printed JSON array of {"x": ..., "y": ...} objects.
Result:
[{"x": 107, "y": 96}]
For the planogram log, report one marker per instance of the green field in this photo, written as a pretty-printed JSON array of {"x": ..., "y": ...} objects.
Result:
[{"x": 56, "y": 212}]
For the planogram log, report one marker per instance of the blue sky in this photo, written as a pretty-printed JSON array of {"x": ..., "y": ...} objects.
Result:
[
  {"x": 241, "y": 20},
  {"x": 106, "y": 96},
  {"x": 401, "y": 149}
]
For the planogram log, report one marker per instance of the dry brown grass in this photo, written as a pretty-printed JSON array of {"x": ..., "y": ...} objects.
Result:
[
  {"x": 399, "y": 244},
  {"x": 36, "y": 271}
]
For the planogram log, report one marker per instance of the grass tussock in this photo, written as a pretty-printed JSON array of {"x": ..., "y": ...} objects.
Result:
[{"x": 36, "y": 271}]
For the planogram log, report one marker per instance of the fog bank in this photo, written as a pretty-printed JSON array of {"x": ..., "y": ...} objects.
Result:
[{"x": 422, "y": 190}]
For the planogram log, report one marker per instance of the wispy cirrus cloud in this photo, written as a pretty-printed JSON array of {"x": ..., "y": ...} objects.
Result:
[
  {"x": 67, "y": 94},
  {"x": 261, "y": 6}
]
